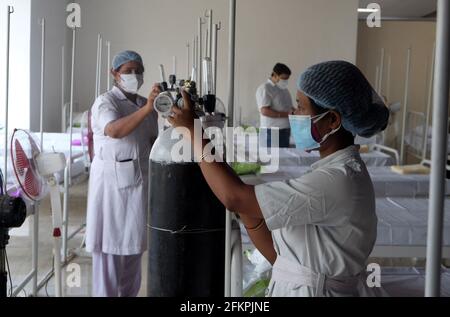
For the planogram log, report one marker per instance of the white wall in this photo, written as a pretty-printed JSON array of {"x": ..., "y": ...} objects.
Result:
[
  {"x": 297, "y": 32},
  {"x": 396, "y": 37},
  {"x": 19, "y": 90},
  {"x": 54, "y": 12}
]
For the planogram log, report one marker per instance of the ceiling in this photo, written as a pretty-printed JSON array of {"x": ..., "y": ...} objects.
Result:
[{"x": 404, "y": 8}]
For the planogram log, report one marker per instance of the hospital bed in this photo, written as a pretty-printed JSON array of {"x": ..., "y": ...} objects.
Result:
[
  {"x": 418, "y": 138},
  {"x": 377, "y": 155},
  {"x": 402, "y": 209},
  {"x": 386, "y": 182},
  {"x": 403, "y": 225}
]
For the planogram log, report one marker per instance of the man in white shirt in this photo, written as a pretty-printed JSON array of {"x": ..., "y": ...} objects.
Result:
[{"x": 275, "y": 105}]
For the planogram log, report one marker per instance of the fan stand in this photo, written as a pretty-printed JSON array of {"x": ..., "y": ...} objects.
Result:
[{"x": 56, "y": 217}]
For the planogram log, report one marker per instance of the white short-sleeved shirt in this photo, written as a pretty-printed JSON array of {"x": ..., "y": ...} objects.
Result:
[
  {"x": 324, "y": 220},
  {"x": 280, "y": 100}
]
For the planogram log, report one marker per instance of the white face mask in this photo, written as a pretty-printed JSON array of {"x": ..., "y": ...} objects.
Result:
[
  {"x": 131, "y": 83},
  {"x": 283, "y": 84}
]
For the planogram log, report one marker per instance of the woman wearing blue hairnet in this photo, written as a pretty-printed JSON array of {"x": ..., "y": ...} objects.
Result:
[
  {"x": 125, "y": 128},
  {"x": 319, "y": 230}
]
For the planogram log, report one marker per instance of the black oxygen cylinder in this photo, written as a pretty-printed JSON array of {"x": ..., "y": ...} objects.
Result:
[{"x": 186, "y": 229}]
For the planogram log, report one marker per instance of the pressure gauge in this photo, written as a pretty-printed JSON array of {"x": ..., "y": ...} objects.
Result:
[{"x": 163, "y": 104}]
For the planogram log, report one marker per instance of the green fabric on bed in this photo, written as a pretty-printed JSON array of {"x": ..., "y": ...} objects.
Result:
[{"x": 246, "y": 168}]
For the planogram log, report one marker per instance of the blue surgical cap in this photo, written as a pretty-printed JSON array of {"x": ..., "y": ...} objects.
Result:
[
  {"x": 341, "y": 86},
  {"x": 125, "y": 57}
]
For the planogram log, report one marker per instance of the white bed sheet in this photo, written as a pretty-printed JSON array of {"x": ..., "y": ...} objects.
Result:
[
  {"x": 386, "y": 183},
  {"x": 404, "y": 222},
  {"x": 294, "y": 157},
  {"x": 410, "y": 282}
]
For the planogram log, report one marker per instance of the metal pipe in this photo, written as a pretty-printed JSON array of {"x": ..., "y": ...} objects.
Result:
[
  {"x": 377, "y": 79},
  {"x": 193, "y": 76},
  {"x": 65, "y": 232},
  {"x": 215, "y": 42},
  {"x": 405, "y": 106},
  {"x": 236, "y": 261},
  {"x": 200, "y": 54},
  {"x": 8, "y": 40},
  {"x": 188, "y": 60},
  {"x": 388, "y": 80},
  {"x": 174, "y": 65},
  {"x": 380, "y": 85},
  {"x": 429, "y": 104},
  {"x": 206, "y": 43},
  {"x": 72, "y": 82},
  {"x": 209, "y": 15},
  {"x": 439, "y": 151},
  {"x": 231, "y": 69},
  {"x": 108, "y": 73},
  {"x": 24, "y": 283},
  {"x": 100, "y": 60},
  {"x": 77, "y": 231},
  {"x": 41, "y": 118},
  {"x": 35, "y": 248},
  {"x": 194, "y": 53},
  {"x": 97, "y": 71},
  {"x": 63, "y": 90},
  {"x": 162, "y": 73}
]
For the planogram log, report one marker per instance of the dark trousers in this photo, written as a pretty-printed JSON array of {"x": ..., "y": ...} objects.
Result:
[{"x": 267, "y": 135}]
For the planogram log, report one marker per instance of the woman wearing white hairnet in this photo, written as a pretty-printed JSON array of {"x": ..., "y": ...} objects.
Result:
[
  {"x": 318, "y": 230},
  {"x": 125, "y": 128}
]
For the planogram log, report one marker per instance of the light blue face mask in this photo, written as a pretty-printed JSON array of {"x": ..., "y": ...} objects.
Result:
[{"x": 305, "y": 133}]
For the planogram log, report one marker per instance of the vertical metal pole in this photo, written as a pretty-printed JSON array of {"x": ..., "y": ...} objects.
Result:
[
  {"x": 35, "y": 249},
  {"x": 108, "y": 74},
  {"x": 100, "y": 60},
  {"x": 174, "y": 65},
  {"x": 194, "y": 57},
  {"x": 405, "y": 106},
  {"x": 439, "y": 151},
  {"x": 41, "y": 119},
  {"x": 200, "y": 55},
  {"x": 388, "y": 80},
  {"x": 429, "y": 105},
  {"x": 97, "y": 72},
  {"x": 215, "y": 42},
  {"x": 68, "y": 170},
  {"x": 231, "y": 69},
  {"x": 195, "y": 61},
  {"x": 72, "y": 81},
  {"x": 8, "y": 40},
  {"x": 65, "y": 233},
  {"x": 377, "y": 79},
  {"x": 209, "y": 15},
  {"x": 188, "y": 59},
  {"x": 63, "y": 90},
  {"x": 206, "y": 43},
  {"x": 380, "y": 84}
]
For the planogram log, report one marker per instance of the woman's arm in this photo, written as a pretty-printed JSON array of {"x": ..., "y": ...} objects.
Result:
[
  {"x": 227, "y": 186},
  {"x": 268, "y": 112},
  {"x": 261, "y": 238},
  {"x": 239, "y": 198},
  {"x": 125, "y": 126}
]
